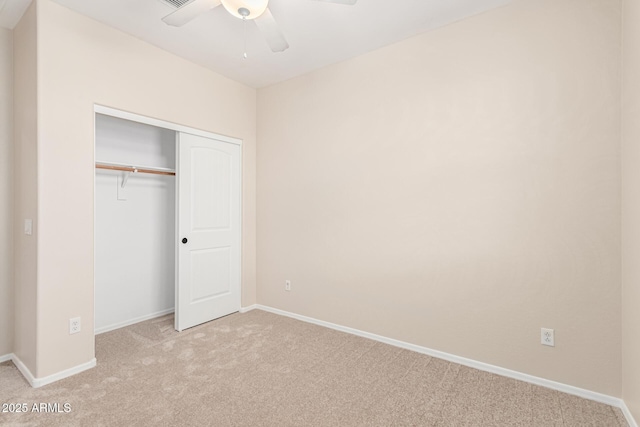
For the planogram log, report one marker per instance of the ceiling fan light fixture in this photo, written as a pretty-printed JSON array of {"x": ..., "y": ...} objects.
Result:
[{"x": 239, "y": 8}]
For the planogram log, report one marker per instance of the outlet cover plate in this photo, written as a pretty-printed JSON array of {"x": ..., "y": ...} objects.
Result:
[
  {"x": 547, "y": 337},
  {"x": 74, "y": 325}
]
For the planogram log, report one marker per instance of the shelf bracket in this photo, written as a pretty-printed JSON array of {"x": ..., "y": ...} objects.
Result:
[{"x": 125, "y": 178}]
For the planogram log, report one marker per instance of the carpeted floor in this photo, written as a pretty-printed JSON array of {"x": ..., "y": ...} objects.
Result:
[{"x": 260, "y": 369}]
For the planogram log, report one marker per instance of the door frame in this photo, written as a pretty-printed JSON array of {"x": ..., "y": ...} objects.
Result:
[{"x": 126, "y": 115}]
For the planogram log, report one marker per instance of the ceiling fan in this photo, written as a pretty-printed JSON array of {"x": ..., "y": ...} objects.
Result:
[{"x": 255, "y": 10}]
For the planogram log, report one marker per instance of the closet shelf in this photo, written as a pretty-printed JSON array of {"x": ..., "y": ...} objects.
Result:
[{"x": 134, "y": 169}]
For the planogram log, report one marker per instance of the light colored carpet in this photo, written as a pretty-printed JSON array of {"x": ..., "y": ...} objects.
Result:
[{"x": 260, "y": 369}]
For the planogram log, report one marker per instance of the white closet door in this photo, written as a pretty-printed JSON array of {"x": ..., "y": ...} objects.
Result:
[{"x": 209, "y": 226}]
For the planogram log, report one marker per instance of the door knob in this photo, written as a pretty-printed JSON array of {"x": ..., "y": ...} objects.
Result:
[{"x": 184, "y": 240}]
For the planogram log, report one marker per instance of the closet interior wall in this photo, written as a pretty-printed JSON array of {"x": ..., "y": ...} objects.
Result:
[{"x": 134, "y": 224}]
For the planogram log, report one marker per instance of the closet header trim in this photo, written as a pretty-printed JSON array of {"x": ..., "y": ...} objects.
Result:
[{"x": 101, "y": 109}]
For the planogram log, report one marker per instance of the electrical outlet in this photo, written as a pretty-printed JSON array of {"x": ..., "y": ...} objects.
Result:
[
  {"x": 74, "y": 325},
  {"x": 287, "y": 285},
  {"x": 546, "y": 337}
]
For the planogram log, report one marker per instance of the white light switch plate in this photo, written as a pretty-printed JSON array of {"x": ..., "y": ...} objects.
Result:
[{"x": 28, "y": 227}]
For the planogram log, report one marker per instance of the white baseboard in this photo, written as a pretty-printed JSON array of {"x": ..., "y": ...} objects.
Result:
[
  {"x": 39, "y": 382},
  {"x": 26, "y": 373},
  {"x": 576, "y": 391},
  {"x": 248, "y": 308},
  {"x": 6, "y": 357},
  {"x": 119, "y": 325},
  {"x": 627, "y": 415}
]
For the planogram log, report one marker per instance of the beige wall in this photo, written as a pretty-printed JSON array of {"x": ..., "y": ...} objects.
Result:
[
  {"x": 631, "y": 207},
  {"x": 6, "y": 191},
  {"x": 82, "y": 62},
  {"x": 25, "y": 201},
  {"x": 458, "y": 190}
]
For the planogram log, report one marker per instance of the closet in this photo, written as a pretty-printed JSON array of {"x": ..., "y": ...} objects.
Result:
[{"x": 167, "y": 222}]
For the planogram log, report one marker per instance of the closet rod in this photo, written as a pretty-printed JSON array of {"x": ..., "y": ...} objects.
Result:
[{"x": 134, "y": 169}]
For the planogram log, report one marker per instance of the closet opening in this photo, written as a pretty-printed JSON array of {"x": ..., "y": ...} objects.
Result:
[
  {"x": 167, "y": 223},
  {"x": 135, "y": 222}
]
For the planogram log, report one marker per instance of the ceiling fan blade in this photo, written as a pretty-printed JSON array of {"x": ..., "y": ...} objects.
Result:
[
  {"x": 349, "y": 2},
  {"x": 189, "y": 11},
  {"x": 271, "y": 32}
]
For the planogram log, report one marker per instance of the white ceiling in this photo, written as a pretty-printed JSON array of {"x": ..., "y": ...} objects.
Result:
[{"x": 318, "y": 33}]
